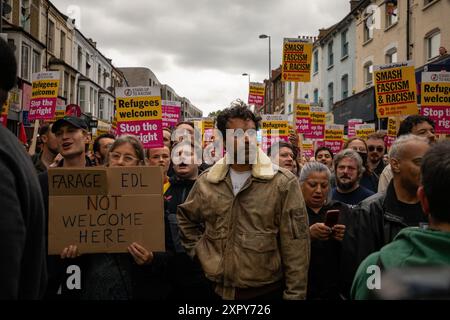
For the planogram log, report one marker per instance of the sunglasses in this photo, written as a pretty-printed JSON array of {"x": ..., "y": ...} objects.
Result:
[{"x": 378, "y": 148}]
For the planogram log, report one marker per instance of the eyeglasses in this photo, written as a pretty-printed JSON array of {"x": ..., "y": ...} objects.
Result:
[
  {"x": 126, "y": 158},
  {"x": 378, "y": 148}
]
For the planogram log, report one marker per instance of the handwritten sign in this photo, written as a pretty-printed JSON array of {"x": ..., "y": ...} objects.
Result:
[{"x": 105, "y": 209}]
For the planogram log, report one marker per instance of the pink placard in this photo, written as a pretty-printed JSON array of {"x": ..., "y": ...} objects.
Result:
[
  {"x": 149, "y": 132},
  {"x": 308, "y": 153},
  {"x": 351, "y": 127},
  {"x": 170, "y": 116},
  {"x": 317, "y": 132},
  {"x": 440, "y": 116},
  {"x": 335, "y": 146},
  {"x": 42, "y": 108},
  {"x": 303, "y": 125},
  {"x": 255, "y": 99}
]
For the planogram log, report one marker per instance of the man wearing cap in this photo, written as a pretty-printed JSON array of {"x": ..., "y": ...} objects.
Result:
[{"x": 72, "y": 136}]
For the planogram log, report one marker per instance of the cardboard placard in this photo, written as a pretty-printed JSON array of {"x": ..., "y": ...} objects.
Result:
[{"x": 104, "y": 210}]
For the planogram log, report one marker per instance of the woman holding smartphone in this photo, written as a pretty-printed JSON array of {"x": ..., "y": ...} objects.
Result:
[{"x": 331, "y": 234}]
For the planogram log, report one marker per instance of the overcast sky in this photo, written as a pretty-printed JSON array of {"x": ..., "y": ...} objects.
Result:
[{"x": 201, "y": 47}]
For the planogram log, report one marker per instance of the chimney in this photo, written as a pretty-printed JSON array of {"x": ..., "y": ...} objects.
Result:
[{"x": 353, "y": 4}]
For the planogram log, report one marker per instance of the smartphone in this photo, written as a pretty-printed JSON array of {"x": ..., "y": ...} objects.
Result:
[{"x": 331, "y": 218}]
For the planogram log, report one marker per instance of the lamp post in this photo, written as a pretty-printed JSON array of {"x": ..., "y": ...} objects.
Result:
[
  {"x": 265, "y": 36},
  {"x": 247, "y": 74}
]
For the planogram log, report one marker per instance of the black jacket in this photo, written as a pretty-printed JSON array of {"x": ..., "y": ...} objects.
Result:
[
  {"x": 332, "y": 265},
  {"x": 172, "y": 274},
  {"x": 22, "y": 240},
  {"x": 380, "y": 219}
]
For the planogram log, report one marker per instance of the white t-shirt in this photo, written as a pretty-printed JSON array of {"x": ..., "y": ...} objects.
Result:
[{"x": 238, "y": 179}]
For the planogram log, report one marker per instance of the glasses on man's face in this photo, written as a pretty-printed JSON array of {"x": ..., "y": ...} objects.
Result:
[
  {"x": 373, "y": 148},
  {"x": 126, "y": 158}
]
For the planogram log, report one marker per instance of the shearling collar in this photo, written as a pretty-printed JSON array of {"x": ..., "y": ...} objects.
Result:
[{"x": 263, "y": 169}]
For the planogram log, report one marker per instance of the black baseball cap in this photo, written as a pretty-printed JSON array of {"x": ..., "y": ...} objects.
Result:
[{"x": 73, "y": 121}]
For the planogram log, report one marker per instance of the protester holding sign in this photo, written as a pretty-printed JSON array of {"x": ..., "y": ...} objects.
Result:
[
  {"x": 72, "y": 136},
  {"x": 109, "y": 276}
]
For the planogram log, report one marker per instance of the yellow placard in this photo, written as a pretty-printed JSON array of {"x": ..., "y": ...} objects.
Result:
[
  {"x": 139, "y": 108},
  {"x": 302, "y": 110},
  {"x": 281, "y": 126},
  {"x": 334, "y": 132},
  {"x": 317, "y": 117},
  {"x": 44, "y": 89},
  {"x": 364, "y": 130},
  {"x": 435, "y": 94},
  {"x": 296, "y": 65},
  {"x": 395, "y": 90},
  {"x": 392, "y": 127}
]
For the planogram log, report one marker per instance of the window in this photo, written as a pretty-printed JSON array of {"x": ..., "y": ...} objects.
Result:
[
  {"x": 66, "y": 85},
  {"x": 391, "y": 56},
  {"x": 316, "y": 61},
  {"x": 72, "y": 83},
  {"x": 80, "y": 59},
  {"x": 330, "y": 95},
  {"x": 368, "y": 68},
  {"x": 99, "y": 75},
  {"x": 368, "y": 27},
  {"x": 7, "y": 5},
  {"x": 101, "y": 108},
  {"x": 289, "y": 109},
  {"x": 62, "y": 54},
  {"x": 25, "y": 15},
  {"x": 344, "y": 86},
  {"x": 289, "y": 87},
  {"x": 316, "y": 96},
  {"x": 25, "y": 62},
  {"x": 51, "y": 36},
  {"x": 433, "y": 43},
  {"x": 330, "y": 54},
  {"x": 82, "y": 93},
  {"x": 391, "y": 14},
  {"x": 36, "y": 61},
  {"x": 344, "y": 44},
  {"x": 88, "y": 66}
]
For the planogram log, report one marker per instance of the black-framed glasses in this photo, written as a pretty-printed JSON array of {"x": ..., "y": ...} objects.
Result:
[{"x": 373, "y": 148}]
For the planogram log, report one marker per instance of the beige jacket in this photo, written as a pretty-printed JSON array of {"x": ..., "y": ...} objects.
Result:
[{"x": 258, "y": 237}]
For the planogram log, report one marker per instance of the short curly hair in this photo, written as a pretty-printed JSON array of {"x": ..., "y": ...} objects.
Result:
[{"x": 238, "y": 109}]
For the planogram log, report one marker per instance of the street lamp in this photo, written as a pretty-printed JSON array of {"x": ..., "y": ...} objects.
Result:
[
  {"x": 265, "y": 36},
  {"x": 247, "y": 74}
]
